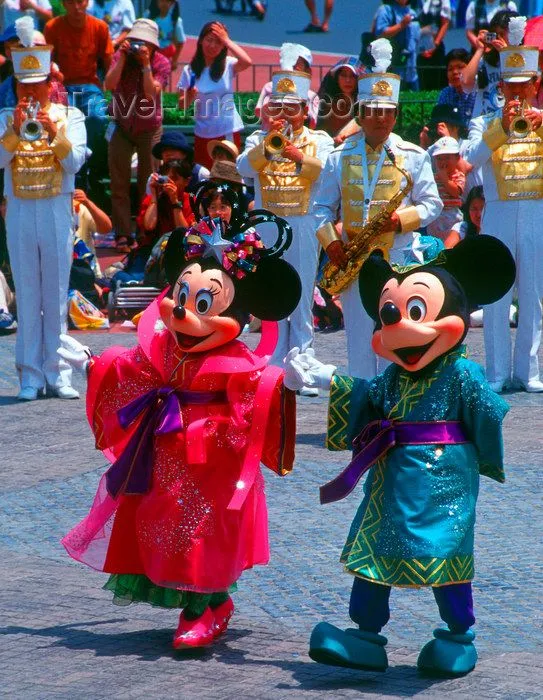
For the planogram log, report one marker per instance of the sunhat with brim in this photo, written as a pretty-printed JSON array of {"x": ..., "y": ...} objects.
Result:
[
  {"x": 144, "y": 30},
  {"x": 446, "y": 145},
  {"x": 222, "y": 143},
  {"x": 224, "y": 170},
  {"x": 172, "y": 139}
]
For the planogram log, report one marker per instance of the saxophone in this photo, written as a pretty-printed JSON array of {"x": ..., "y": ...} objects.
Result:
[{"x": 334, "y": 278}]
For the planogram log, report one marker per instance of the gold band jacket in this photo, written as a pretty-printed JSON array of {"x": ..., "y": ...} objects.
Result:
[
  {"x": 285, "y": 185},
  {"x": 517, "y": 163},
  {"x": 35, "y": 167}
]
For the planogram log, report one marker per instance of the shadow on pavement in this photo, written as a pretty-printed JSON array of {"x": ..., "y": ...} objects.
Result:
[
  {"x": 311, "y": 439},
  {"x": 153, "y": 644}
]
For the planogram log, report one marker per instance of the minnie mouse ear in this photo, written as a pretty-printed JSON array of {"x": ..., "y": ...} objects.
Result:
[
  {"x": 174, "y": 255},
  {"x": 271, "y": 292},
  {"x": 483, "y": 266},
  {"x": 372, "y": 278}
]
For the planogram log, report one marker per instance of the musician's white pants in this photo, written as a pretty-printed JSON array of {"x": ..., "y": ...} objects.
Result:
[
  {"x": 39, "y": 237},
  {"x": 518, "y": 225},
  {"x": 363, "y": 362}
]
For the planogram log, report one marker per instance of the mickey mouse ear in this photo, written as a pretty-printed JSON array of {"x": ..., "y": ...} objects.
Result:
[
  {"x": 371, "y": 280},
  {"x": 174, "y": 255},
  {"x": 284, "y": 231},
  {"x": 483, "y": 266}
]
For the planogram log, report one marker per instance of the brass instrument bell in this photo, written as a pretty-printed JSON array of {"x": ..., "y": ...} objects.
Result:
[
  {"x": 521, "y": 127},
  {"x": 275, "y": 141},
  {"x": 31, "y": 128}
]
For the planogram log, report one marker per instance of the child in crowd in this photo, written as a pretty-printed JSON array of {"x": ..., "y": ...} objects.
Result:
[
  {"x": 482, "y": 74},
  {"x": 451, "y": 182},
  {"x": 454, "y": 95},
  {"x": 169, "y": 204},
  {"x": 171, "y": 34},
  {"x": 222, "y": 149},
  {"x": 473, "y": 213}
]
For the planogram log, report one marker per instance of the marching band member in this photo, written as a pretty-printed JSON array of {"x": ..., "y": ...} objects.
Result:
[
  {"x": 360, "y": 179},
  {"x": 509, "y": 147},
  {"x": 286, "y": 170},
  {"x": 40, "y": 157}
]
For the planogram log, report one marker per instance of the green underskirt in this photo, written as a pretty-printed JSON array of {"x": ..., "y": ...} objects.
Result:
[{"x": 137, "y": 588}]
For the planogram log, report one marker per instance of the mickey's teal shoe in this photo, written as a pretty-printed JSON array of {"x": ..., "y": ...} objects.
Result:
[
  {"x": 448, "y": 654},
  {"x": 352, "y": 648}
]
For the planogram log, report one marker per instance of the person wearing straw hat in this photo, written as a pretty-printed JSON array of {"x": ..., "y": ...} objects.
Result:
[
  {"x": 137, "y": 76},
  {"x": 508, "y": 145},
  {"x": 285, "y": 179},
  {"x": 359, "y": 179},
  {"x": 42, "y": 146}
]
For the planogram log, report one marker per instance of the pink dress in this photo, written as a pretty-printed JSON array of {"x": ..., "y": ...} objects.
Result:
[{"x": 202, "y": 519}]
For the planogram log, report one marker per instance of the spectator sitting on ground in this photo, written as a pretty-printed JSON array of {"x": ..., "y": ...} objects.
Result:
[
  {"x": 451, "y": 182},
  {"x": 208, "y": 82},
  {"x": 119, "y": 15},
  {"x": 171, "y": 34},
  {"x": 88, "y": 220},
  {"x": 446, "y": 121},
  {"x": 8, "y": 95},
  {"x": 224, "y": 171},
  {"x": 137, "y": 76},
  {"x": 482, "y": 74},
  {"x": 473, "y": 213},
  {"x": 8, "y": 324},
  {"x": 454, "y": 95},
  {"x": 291, "y": 57},
  {"x": 222, "y": 149},
  {"x": 338, "y": 95},
  {"x": 169, "y": 205},
  {"x": 174, "y": 146}
]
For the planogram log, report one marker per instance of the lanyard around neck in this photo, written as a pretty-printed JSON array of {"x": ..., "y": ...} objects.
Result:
[{"x": 369, "y": 187}]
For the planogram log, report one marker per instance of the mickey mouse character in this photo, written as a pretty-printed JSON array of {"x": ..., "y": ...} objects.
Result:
[
  {"x": 186, "y": 417},
  {"x": 427, "y": 427}
]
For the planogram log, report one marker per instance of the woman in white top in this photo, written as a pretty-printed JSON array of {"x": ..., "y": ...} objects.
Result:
[{"x": 208, "y": 81}]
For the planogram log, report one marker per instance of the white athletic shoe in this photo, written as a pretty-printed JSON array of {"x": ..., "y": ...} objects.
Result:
[{"x": 65, "y": 392}]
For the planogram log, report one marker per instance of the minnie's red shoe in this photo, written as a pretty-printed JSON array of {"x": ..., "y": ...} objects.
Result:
[
  {"x": 222, "y": 615},
  {"x": 191, "y": 634}
]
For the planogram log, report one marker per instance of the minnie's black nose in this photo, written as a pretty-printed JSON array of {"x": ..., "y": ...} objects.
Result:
[
  {"x": 390, "y": 314},
  {"x": 179, "y": 312}
]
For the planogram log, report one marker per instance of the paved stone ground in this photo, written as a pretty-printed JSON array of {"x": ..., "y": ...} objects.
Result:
[{"x": 60, "y": 637}]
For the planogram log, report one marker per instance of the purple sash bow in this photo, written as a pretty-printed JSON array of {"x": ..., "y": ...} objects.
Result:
[
  {"x": 377, "y": 438},
  {"x": 131, "y": 472}
]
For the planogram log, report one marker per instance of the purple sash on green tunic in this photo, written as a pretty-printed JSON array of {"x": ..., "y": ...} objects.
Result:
[{"x": 377, "y": 438}]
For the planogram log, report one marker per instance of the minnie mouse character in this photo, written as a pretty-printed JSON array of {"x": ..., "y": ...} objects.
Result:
[
  {"x": 186, "y": 417},
  {"x": 427, "y": 427}
]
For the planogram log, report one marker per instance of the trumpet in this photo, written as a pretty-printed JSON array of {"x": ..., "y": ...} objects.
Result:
[
  {"x": 275, "y": 141},
  {"x": 521, "y": 126},
  {"x": 31, "y": 128}
]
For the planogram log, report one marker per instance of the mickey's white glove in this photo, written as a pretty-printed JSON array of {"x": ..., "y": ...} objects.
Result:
[
  {"x": 74, "y": 353},
  {"x": 303, "y": 369}
]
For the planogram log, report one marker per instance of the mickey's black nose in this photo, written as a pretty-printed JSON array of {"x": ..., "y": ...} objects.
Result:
[
  {"x": 390, "y": 314},
  {"x": 179, "y": 312}
]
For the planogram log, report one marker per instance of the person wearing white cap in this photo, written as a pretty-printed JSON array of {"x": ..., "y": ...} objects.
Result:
[
  {"x": 451, "y": 182},
  {"x": 285, "y": 180},
  {"x": 291, "y": 57},
  {"x": 508, "y": 145},
  {"x": 40, "y": 157},
  {"x": 359, "y": 179}
]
